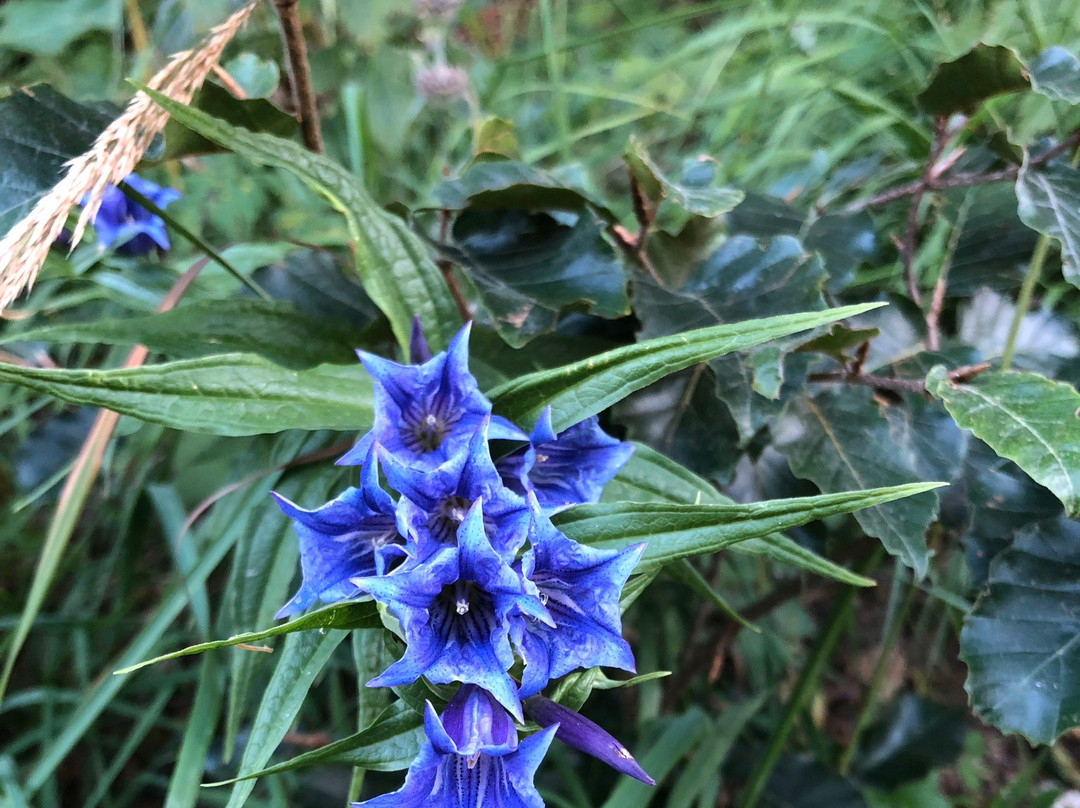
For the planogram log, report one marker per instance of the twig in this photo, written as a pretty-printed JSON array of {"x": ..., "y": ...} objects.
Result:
[
  {"x": 229, "y": 82},
  {"x": 907, "y": 250},
  {"x": 446, "y": 267},
  {"x": 923, "y": 185},
  {"x": 292, "y": 37},
  {"x": 958, "y": 376},
  {"x": 937, "y": 300}
]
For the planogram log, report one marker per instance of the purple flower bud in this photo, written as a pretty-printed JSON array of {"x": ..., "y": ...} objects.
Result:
[
  {"x": 419, "y": 352},
  {"x": 581, "y": 733},
  {"x": 441, "y": 82}
]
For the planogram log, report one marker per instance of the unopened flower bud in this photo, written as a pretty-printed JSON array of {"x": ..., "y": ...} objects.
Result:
[{"x": 441, "y": 82}]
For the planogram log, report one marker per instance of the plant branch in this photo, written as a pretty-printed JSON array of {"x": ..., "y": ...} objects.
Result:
[
  {"x": 292, "y": 37},
  {"x": 907, "y": 249},
  {"x": 958, "y": 376}
]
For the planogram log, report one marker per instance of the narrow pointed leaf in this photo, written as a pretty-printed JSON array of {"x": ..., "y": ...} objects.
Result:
[
  {"x": 231, "y": 394},
  {"x": 584, "y": 388},
  {"x": 681, "y": 531},
  {"x": 1025, "y": 417},
  {"x": 348, "y": 615},
  {"x": 392, "y": 262}
]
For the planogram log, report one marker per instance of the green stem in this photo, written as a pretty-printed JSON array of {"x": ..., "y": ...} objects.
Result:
[
  {"x": 804, "y": 687},
  {"x": 891, "y": 635},
  {"x": 1023, "y": 301}
]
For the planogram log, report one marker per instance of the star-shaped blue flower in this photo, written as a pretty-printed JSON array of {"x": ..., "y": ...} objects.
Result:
[
  {"x": 354, "y": 535},
  {"x": 129, "y": 227},
  {"x": 565, "y": 469},
  {"x": 483, "y": 766},
  {"x": 453, "y": 610},
  {"x": 580, "y": 586},
  {"x": 426, "y": 414},
  {"x": 434, "y": 501}
]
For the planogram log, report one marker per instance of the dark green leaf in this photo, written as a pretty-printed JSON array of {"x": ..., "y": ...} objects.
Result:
[
  {"x": 1021, "y": 643},
  {"x": 801, "y": 783},
  {"x": 838, "y": 341},
  {"x": 508, "y": 185},
  {"x": 346, "y": 615},
  {"x": 1025, "y": 417},
  {"x": 964, "y": 83},
  {"x": 913, "y": 737},
  {"x": 274, "y": 330},
  {"x": 391, "y": 261},
  {"x": 40, "y": 130},
  {"x": 585, "y": 388},
  {"x": 255, "y": 114},
  {"x": 681, "y": 531},
  {"x": 696, "y": 194},
  {"x": 1050, "y": 203},
  {"x": 844, "y": 242},
  {"x": 1056, "y": 73},
  {"x": 232, "y": 394},
  {"x": 531, "y": 266},
  {"x": 388, "y": 745},
  {"x": 840, "y": 440}
]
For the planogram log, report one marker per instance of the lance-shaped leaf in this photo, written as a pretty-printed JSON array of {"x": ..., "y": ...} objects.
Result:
[
  {"x": 231, "y": 394},
  {"x": 681, "y": 531},
  {"x": 348, "y": 615},
  {"x": 388, "y": 745},
  {"x": 840, "y": 440},
  {"x": 276, "y": 330},
  {"x": 1025, "y": 417},
  {"x": 1021, "y": 643},
  {"x": 1049, "y": 198},
  {"x": 584, "y": 388},
  {"x": 392, "y": 262}
]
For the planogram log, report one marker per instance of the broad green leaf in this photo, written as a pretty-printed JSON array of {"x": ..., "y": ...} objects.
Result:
[
  {"x": 388, "y": 745},
  {"x": 30, "y": 165},
  {"x": 257, "y": 77},
  {"x": 695, "y": 193},
  {"x": 964, "y": 83},
  {"x": 1056, "y": 74},
  {"x": 48, "y": 27},
  {"x": 581, "y": 389},
  {"x": 1049, "y": 199},
  {"x": 275, "y": 330},
  {"x": 253, "y": 114},
  {"x": 298, "y": 663},
  {"x": 231, "y": 394},
  {"x": 529, "y": 267},
  {"x": 844, "y": 241},
  {"x": 392, "y": 262},
  {"x": 347, "y": 615},
  {"x": 840, "y": 440},
  {"x": 508, "y": 185},
  {"x": 1021, "y": 643},
  {"x": 681, "y": 531},
  {"x": 1025, "y": 417}
]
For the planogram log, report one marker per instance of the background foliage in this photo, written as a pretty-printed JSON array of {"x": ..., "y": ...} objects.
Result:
[{"x": 611, "y": 172}]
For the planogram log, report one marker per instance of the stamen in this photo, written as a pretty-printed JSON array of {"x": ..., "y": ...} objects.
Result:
[
  {"x": 544, "y": 598},
  {"x": 462, "y": 607}
]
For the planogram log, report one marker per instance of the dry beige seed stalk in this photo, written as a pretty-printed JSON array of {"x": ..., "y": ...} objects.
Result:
[{"x": 113, "y": 156}]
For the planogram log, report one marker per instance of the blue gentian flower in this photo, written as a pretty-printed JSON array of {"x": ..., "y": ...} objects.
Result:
[
  {"x": 434, "y": 501},
  {"x": 579, "y": 732},
  {"x": 580, "y": 586},
  {"x": 354, "y": 535},
  {"x": 426, "y": 414},
  {"x": 565, "y": 469},
  {"x": 129, "y": 227},
  {"x": 472, "y": 763},
  {"x": 453, "y": 610}
]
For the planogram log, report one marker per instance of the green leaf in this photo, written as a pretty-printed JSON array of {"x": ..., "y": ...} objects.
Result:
[
  {"x": 1021, "y": 643},
  {"x": 198, "y": 735},
  {"x": 1049, "y": 198},
  {"x": 30, "y": 165},
  {"x": 529, "y": 267},
  {"x": 232, "y": 394},
  {"x": 275, "y": 330},
  {"x": 838, "y": 341},
  {"x": 1056, "y": 74},
  {"x": 501, "y": 185},
  {"x": 388, "y": 745},
  {"x": 48, "y": 27},
  {"x": 695, "y": 194},
  {"x": 254, "y": 114},
  {"x": 964, "y": 83},
  {"x": 298, "y": 663},
  {"x": 1025, "y": 417},
  {"x": 347, "y": 615},
  {"x": 681, "y": 531},
  {"x": 257, "y": 77},
  {"x": 392, "y": 262},
  {"x": 581, "y": 389},
  {"x": 651, "y": 477},
  {"x": 840, "y": 440},
  {"x": 843, "y": 242}
]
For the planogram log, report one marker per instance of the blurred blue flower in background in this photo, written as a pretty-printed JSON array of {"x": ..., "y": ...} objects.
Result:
[{"x": 126, "y": 226}]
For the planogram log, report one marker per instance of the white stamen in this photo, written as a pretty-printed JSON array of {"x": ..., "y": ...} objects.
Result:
[
  {"x": 462, "y": 606},
  {"x": 544, "y": 598}
]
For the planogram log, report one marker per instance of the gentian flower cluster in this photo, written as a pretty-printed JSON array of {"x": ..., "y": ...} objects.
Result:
[
  {"x": 486, "y": 590},
  {"x": 129, "y": 227}
]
